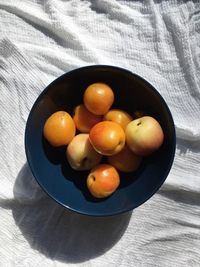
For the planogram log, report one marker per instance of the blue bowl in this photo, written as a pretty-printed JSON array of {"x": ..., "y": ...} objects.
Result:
[{"x": 49, "y": 165}]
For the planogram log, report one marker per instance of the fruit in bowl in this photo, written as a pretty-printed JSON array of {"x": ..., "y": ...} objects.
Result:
[
  {"x": 103, "y": 180},
  {"x": 117, "y": 135},
  {"x": 144, "y": 135},
  {"x": 98, "y": 98},
  {"x": 84, "y": 119},
  {"x": 119, "y": 116},
  {"x": 126, "y": 160},
  {"x": 107, "y": 137},
  {"x": 80, "y": 153},
  {"x": 67, "y": 184},
  {"x": 59, "y": 129}
]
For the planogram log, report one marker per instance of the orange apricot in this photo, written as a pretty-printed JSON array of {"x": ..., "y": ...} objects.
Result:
[
  {"x": 107, "y": 137},
  {"x": 98, "y": 98},
  {"x": 84, "y": 119},
  {"x": 125, "y": 160},
  {"x": 119, "y": 116},
  {"x": 59, "y": 129},
  {"x": 103, "y": 180}
]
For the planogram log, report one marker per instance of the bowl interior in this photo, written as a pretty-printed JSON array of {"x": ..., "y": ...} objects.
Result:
[{"x": 49, "y": 165}]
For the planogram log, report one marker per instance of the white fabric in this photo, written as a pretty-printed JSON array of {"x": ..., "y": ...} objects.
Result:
[{"x": 39, "y": 41}]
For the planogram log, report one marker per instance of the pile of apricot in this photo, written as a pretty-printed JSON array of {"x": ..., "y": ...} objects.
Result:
[{"x": 95, "y": 130}]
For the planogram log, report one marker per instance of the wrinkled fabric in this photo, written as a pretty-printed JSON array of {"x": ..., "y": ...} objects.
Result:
[{"x": 41, "y": 40}]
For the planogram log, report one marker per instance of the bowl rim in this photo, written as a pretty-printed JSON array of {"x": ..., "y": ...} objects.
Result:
[{"x": 99, "y": 66}]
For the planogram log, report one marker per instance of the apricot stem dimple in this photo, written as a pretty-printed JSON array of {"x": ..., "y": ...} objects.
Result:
[
  {"x": 84, "y": 161},
  {"x": 93, "y": 177},
  {"x": 120, "y": 142},
  {"x": 139, "y": 123}
]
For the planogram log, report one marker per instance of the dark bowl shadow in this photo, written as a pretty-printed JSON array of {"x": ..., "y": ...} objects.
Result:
[
  {"x": 54, "y": 154},
  {"x": 58, "y": 233}
]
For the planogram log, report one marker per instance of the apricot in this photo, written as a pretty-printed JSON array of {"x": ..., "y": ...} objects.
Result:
[
  {"x": 107, "y": 137},
  {"x": 59, "y": 129},
  {"x": 119, "y": 116},
  {"x": 84, "y": 119},
  {"x": 103, "y": 180},
  {"x": 80, "y": 153},
  {"x": 144, "y": 135},
  {"x": 125, "y": 160},
  {"x": 98, "y": 98}
]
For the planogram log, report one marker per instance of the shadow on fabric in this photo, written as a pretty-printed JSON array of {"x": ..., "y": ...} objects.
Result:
[{"x": 57, "y": 232}]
